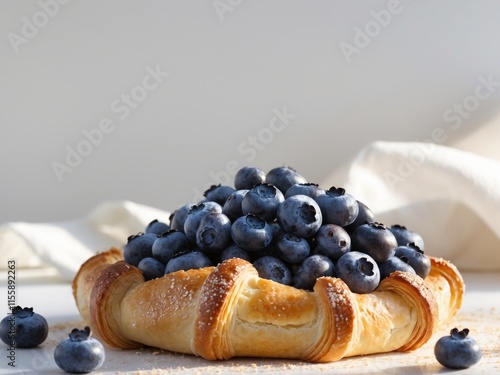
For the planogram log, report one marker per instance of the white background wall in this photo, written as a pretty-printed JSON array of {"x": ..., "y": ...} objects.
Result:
[{"x": 228, "y": 71}]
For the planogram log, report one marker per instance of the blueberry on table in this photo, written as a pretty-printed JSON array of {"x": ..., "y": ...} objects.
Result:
[
  {"x": 359, "y": 271},
  {"x": 458, "y": 350},
  {"x": 404, "y": 236},
  {"x": 415, "y": 258},
  {"x": 23, "y": 328},
  {"x": 300, "y": 215},
  {"x": 157, "y": 227},
  {"x": 247, "y": 177},
  {"x": 262, "y": 200},
  {"x": 80, "y": 354},
  {"x": 375, "y": 240},
  {"x": 338, "y": 207}
]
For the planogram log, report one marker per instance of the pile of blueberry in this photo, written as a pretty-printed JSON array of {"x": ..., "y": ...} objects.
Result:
[{"x": 291, "y": 230}]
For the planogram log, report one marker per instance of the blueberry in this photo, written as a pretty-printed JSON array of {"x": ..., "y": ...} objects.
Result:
[
  {"x": 311, "y": 268},
  {"x": 365, "y": 215},
  {"x": 277, "y": 229},
  {"x": 251, "y": 232},
  {"x": 234, "y": 251},
  {"x": 300, "y": 215},
  {"x": 178, "y": 217},
  {"x": 23, "y": 328},
  {"x": 416, "y": 258},
  {"x": 291, "y": 248},
  {"x": 308, "y": 188},
  {"x": 394, "y": 264},
  {"x": 156, "y": 227},
  {"x": 262, "y": 200},
  {"x": 359, "y": 271},
  {"x": 248, "y": 177},
  {"x": 458, "y": 350},
  {"x": 139, "y": 246},
  {"x": 192, "y": 260},
  {"x": 338, "y": 207},
  {"x": 272, "y": 268},
  {"x": 169, "y": 245},
  {"x": 214, "y": 232},
  {"x": 405, "y": 236},
  {"x": 232, "y": 207},
  {"x": 195, "y": 214},
  {"x": 332, "y": 241},
  {"x": 151, "y": 268},
  {"x": 284, "y": 177},
  {"x": 80, "y": 353},
  {"x": 218, "y": 193},
  {"x": 375, "y": 240}
]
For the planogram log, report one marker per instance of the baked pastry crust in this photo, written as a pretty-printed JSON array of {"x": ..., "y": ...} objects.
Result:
[{"x": 229, "y": 311}]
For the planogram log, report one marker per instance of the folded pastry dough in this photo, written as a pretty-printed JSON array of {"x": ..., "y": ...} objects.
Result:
[{"x": 229, "y": 311}]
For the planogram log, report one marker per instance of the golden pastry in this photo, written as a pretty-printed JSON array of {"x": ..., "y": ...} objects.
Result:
[{"x": 229, "y": 311}]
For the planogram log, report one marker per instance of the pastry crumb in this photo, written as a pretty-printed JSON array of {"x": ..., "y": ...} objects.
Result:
[{"x": 153, "y": 361}]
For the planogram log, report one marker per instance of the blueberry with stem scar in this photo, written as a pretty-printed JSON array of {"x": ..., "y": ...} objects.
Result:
[{"x": 80, "y": 353}]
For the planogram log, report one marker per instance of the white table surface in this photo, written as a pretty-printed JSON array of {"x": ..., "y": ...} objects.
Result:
[{"x": 51, "y": 297}]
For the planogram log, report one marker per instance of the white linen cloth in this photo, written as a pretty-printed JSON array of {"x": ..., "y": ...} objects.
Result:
[
  {"x": 66, "y": 245},
  {"x": 449, "y": 195}
]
